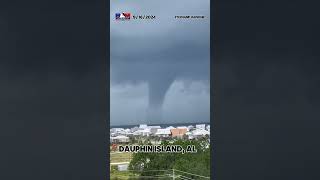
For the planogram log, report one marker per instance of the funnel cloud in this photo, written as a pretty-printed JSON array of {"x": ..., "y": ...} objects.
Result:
[
  {"x": 156, "y": 96},
  {"x": 151, "y": 59}
]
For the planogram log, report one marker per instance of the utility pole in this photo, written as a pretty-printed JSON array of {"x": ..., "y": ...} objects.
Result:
[{"x": 173, "y": 177}]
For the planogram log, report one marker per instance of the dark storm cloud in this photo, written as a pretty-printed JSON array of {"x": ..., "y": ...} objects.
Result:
[
  {"x": 180, "y": 58},
  {"x": 175, "y": 52},
  {"x": 160, "y": 51},
  {"x": 179, "y": 104},
  {"x": 51, "y": 90},
  {"x": 165, "y": 45}
]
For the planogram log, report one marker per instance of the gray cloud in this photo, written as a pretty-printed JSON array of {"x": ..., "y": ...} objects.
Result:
[
  {"x": 184, "y": 102},
  {"x": 159, "y": 52}
]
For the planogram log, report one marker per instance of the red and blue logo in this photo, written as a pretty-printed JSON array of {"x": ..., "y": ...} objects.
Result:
[{"x": 123, "y": 16}]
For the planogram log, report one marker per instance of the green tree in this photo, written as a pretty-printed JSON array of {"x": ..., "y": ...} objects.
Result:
[{"x": 198, "y": 163}]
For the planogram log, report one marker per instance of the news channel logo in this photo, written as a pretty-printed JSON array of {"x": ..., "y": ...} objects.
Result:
[{"x": 123, "y": 16}]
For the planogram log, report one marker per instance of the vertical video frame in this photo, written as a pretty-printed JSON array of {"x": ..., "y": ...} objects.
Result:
[{"x": 160, "y": 89}]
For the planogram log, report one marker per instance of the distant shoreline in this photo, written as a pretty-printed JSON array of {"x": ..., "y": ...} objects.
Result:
[{"x": 162, "y": 125}]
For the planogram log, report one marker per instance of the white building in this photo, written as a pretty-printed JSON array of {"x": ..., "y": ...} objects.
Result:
[
  {"x": 163, "y": 132},
  {"x": 137, "y": 133},
  {"x": 143, "y": 132},
  {"x": 146, "y": 132},
  {"x": 143, "y": 126},
  {"x": 153, "y": 129},
  {"x": 134, "y": 129},
  {"x": 201, "y": 126},
  {"x": 200, "y": 133}
]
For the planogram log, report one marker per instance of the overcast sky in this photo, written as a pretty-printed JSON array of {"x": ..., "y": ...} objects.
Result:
[{"x": 166, "y": 57}]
